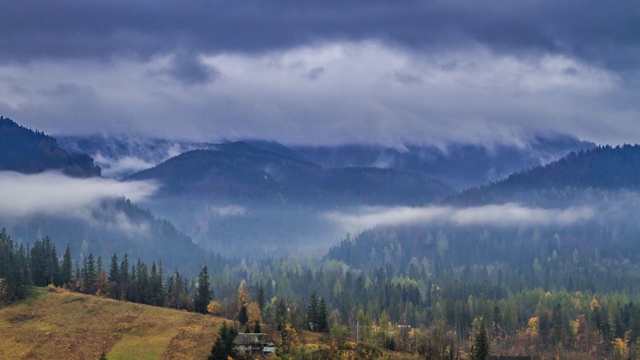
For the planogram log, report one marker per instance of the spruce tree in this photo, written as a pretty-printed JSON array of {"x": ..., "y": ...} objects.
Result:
[
  {"x": 223, "y": 347},
  {"x": 323, "y": 323},
  {"x": 261, "y": 299},
  {"x": 312, "y": 313},
  {"x": 203, "y": 292},
  {"x": 480, "y": 349},
  {"x": 66, "y": 274},
  {"x": 114, "y": 270}
]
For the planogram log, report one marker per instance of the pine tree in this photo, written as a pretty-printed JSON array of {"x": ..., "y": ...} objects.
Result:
[
  {"x": 124, "y": 278},
  {"x": 243, "y": 315},
  {"x": 66, "y": 274},
  {"x": 281, "y": 315},
  {"x": 203, "y": 291},
  {"x": 90, "y": 275},
  {"x": 261, "y": 299},
  {"x": 312, "y": 313},
  {"x": 223, "y": 347},
  {"x": 157, "y": 291},
  {"x": 323, "y": 323},
  {"x": 480, "y": 350}
]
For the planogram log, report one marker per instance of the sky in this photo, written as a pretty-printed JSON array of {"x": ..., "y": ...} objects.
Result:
[{"x": 324, "y": 72}]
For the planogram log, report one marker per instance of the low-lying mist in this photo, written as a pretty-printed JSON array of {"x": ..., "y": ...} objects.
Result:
[
  {"x": 502, "y": 215},
  {"x": 52, "y": 193}
]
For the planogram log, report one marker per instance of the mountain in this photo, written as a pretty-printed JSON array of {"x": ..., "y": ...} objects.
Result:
[
  {"x": 27, "y": 151},
  {"x": 604, "y": 168},
  {"x": 242, "y": 172},
  {"x": 120, "y": 156},
  {"x": 271, "y": 203},
  {"x": 107, "y": 225},
  {"x": 460, "y": 165}
]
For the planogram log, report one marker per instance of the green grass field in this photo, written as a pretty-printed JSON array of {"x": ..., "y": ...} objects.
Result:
[{"x": 64, "y": 325}]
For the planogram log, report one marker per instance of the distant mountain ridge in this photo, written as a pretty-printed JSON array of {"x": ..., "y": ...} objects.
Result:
[
  {"x": 603, "y": 167},
  {"x": 458, "y": 165},
  {"x": 121, "y": 155},
  {"x": 242, "y": 171},
  {"x": 27, "y": 151}
]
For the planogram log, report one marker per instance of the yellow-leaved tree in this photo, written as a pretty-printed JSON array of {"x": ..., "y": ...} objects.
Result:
[
  {"x": 254, "y": 313},
  {"x": 214, "y": 308}
]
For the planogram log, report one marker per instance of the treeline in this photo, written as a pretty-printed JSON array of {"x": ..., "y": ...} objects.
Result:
[
  {"x": 403, "y": 312},
  {"x": 402, "y": 309},
  {"x": 22, "y": 267},
  {"x": 600, "y": 256}
]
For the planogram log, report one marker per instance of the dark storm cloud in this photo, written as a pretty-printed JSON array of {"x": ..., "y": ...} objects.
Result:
[
  {"x": 606, "y": 33},
  {"x": 189, "y": 70}
]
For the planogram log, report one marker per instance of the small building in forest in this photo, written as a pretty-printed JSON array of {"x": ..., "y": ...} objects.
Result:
[{"x": 251, "y": 344}]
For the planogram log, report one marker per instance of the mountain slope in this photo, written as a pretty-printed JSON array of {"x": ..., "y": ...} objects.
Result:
[
  {"x": 27, "y": 151},
  {"x": 606, "y": 168},
  {"x": 116, "y": 226},
  {"x": 243, "y": 172},
  {"x": 120, "y": 156},
  {"x": 65, "y": 325},
  {"x": 576, "y": 228},
  {"x": 270, "y": 203},
  {"x": 460, "y": 165}
]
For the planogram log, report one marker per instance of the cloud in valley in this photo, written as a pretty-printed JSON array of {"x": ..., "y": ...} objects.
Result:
[
  {"x": 503, "y": 215},
  {"x": 53, "y": 194}
]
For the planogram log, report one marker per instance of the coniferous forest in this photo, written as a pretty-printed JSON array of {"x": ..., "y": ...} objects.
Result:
[{"x": 569, "y": 303}]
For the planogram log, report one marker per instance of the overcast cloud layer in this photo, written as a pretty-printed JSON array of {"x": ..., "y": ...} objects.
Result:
[{"x": 324, "y": 72}]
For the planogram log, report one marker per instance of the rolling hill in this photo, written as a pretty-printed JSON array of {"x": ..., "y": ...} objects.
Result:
[{"x": 60, "y": 324}]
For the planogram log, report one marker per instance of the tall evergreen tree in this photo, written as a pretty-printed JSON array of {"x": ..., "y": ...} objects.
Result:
[
  {"x": 203, "y": 291},
  {"x": 323, "y": 315},
  {"x": 223, "y": 347},
  {"x": 261, "y": 299},
  {"x": 480, "y": 349},
  {"x": 156, "y": 288},
  {"x": 124, "y": 278},
  {"x": 66, "y": 272},
  {"x": 312, "y": 313}
]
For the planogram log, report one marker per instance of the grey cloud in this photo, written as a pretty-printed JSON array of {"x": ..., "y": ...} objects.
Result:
[
  {"x": 189, "y": 70},
  {"x": 486, "y": 98},
  {"x": 605, "y": 33},
  {"x": 68, "y": 89},
  {"x": 407, "y": 79},
  {"x": 314, "y": 73}
]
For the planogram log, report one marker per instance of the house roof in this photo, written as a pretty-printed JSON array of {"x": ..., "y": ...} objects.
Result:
[{"x": 250, "y": 339}]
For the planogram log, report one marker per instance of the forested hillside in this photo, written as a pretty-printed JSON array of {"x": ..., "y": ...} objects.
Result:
[
  {"x": 27, "y": 151},
  {"x": 460, "y": 165},
  {"x": 606, "y": 168},
  {"x": 241, "y": 172}
]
